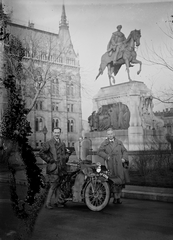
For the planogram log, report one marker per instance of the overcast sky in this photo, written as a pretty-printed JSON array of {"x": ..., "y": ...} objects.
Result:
[{"x": 91, "y": 24}]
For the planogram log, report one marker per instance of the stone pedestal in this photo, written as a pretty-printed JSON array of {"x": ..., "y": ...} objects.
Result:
[
  {"x": 135, "y": 138},
  {"x": 137, "y": 99}
]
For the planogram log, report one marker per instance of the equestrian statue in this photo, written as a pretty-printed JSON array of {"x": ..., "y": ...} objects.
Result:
[{"x": 120, "y": 51}]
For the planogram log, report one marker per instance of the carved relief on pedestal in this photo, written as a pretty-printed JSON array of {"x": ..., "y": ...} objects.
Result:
[
  {"x": 123, "y": 106},
  {"x": 148, "y": 119},
  {"x": 115, "y": 115}
]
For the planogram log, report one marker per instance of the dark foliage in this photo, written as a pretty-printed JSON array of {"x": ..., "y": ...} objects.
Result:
[{"x": 16, "y": 128}]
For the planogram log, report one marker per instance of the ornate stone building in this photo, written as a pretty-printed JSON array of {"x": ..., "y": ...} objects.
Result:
[{"x": 51, "y": 57}]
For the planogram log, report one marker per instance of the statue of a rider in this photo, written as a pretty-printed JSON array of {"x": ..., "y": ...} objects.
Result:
[{"x": 117, "y": 39}]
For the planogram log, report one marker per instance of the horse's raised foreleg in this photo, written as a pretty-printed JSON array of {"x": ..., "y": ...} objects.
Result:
[
  {"x": 127, "y": 68},
  {"x": 135, "y": 61}
]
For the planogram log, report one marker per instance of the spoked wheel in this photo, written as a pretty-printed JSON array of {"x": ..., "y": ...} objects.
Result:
[{"x": 97, "y": 195}]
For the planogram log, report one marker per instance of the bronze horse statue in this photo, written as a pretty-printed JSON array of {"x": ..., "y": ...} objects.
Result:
[{"x": 126, "y": 55}]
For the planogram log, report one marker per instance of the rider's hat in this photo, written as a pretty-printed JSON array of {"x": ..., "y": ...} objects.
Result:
[{"x": 119, "y": 26}]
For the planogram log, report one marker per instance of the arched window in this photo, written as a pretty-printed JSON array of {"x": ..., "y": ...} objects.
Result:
[
  {"x": 38, "y": 124},
  {"x": 70, "y": 125},
  {"x": 55, "y": 87},
  {"x": 70, "y": 107},
  {"x": 39, "y": 105},
  {"x": 55, "y": 106},
  {"x": 55, "y": 123},
  {"x": 70, "y": 89}
]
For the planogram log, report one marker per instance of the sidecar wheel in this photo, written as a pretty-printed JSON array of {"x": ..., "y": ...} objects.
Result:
[{"x": 97, "y": 195}]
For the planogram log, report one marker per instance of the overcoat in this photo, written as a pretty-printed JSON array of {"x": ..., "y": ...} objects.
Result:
[
  {"x": 54, "y": 154},
  {"x": 113, "y": 152}
]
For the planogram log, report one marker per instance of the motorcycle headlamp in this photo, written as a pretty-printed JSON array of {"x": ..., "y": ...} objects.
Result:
[{"x": 98, "y": 168}]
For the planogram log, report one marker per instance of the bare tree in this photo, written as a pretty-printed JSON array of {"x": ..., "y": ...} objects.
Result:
[
  {"x": 41, "y": 62},
  {"x": 35, "y": 62},
  {"x": 162, "y": 57}
]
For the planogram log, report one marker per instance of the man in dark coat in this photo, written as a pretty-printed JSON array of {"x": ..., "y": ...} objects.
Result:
[
  {"x": 115, "y": 154},
  {"x": 55, "y": 154}
]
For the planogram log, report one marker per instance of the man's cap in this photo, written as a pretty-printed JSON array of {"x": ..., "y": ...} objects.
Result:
[{"x": 119, "y": 26}]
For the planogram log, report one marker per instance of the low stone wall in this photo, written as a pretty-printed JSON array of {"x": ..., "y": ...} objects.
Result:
[{"x": 151, "y": 156}]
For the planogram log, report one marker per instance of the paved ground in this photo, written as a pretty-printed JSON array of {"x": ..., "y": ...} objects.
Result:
[
  {"x": 133, "y": 220},
  {"x": 9, "y": 223},
  {"x": 145, "y": 219}
]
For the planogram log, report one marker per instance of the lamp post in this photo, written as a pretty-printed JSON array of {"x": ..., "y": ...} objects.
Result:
[
  {"x": 153, "y": 125},
  {"x": 44, "y": 132},
  {"x": 80, "y": 141}
]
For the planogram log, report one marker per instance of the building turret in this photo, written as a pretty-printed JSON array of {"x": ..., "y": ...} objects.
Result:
[
  {"x": 64, "y": 34},
  {"x": 63, "y": 23}
]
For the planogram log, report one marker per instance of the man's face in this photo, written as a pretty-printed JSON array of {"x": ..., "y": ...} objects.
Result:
[
  {"x": 119, "y": 28},
  {"x": 110, "y": 134},
  {"x": 56, "y": 134}
]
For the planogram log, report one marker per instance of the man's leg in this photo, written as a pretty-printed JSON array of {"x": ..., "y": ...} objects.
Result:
[
  {"x": 117, "y": 195},
  {"x": 53, "y": 183},
  {"x": 115, "y": 55},
  {"x": 48, "y": 200}
]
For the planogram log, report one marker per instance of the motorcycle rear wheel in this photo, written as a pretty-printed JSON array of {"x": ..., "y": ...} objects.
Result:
[{"x": 97, "y": 195}]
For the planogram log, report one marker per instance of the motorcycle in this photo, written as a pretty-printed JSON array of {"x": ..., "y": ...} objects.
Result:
[{"x": 88, "y": 183}]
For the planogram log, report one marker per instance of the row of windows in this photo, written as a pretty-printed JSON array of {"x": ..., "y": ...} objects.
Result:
[
  {"x": 31, "y": 52},
  {"x": 39, "y": 124},
  {"x": 69, "y": 89},
  {"x": 70, "y": 61},
  {"x": 52, "y": 58},
  {"x": 55, "y": 89},
  {"x": 168, "y": 121},
  {"x": 55, "y": 106}
]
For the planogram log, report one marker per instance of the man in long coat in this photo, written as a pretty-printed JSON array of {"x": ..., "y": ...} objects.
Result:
[
  {"x": 114, "y": 153},
  {"x": 55, "y": 154}
]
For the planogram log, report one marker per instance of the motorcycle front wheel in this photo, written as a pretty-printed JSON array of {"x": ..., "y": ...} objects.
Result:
[{"x": 97, "y": 195}]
